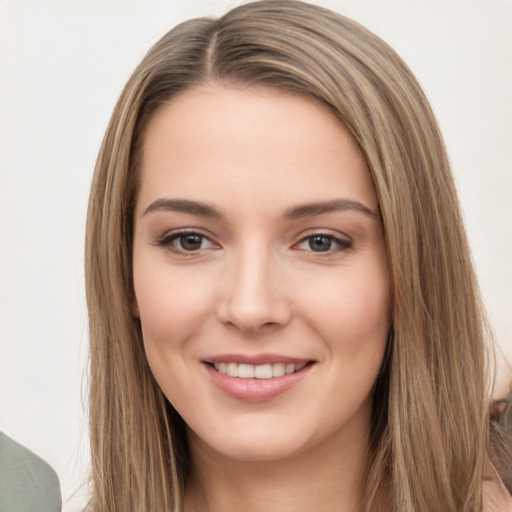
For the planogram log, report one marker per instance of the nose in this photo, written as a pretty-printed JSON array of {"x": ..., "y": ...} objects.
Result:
[{"x": 253, "y": 296}]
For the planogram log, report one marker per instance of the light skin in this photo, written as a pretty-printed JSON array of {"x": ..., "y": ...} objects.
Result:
[{"x": 257, "y": 238}]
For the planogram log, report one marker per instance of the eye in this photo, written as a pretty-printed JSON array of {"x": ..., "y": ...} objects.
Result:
[
  {"x": 185, "y": 241},
  {"x": 324, "y": 243}
]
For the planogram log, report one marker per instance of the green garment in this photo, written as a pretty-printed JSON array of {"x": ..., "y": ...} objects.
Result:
[{"x": 27, "y": 482}]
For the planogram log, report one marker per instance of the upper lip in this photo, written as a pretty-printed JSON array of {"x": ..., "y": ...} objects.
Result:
[{"x": 256, "y": 359}]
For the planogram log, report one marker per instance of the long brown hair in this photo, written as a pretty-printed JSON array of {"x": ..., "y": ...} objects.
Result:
[{"x": 429, "y": 433}]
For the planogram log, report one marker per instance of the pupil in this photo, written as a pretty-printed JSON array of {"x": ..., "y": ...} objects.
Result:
[
  {"x": 191, "y": 242},
  {"x": 320, "y": 243}
]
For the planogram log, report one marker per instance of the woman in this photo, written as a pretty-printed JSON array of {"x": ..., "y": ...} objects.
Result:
[{"x": 283, "y": 311}]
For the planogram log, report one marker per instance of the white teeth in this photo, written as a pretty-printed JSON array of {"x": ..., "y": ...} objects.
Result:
[
  {"x": 231, "y": 369},
  {"x": 246, "y": 371},
  {"x": 262, "y": 371},
  {"x": 278, "y": 370}
]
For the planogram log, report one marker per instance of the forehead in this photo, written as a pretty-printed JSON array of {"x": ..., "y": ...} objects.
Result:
[{"x": 215, "y": 142}]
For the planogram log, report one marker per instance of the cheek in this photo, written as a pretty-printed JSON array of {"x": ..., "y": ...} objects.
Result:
[
  {"x": 173, "y": 308},
  {"x": 352, "y": 317},
  {"x": 170, "y": 304},
  {"x": 354, "y": 308}
]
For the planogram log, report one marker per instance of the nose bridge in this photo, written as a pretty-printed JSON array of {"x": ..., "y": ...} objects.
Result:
[{"x": 253, "y": 296}]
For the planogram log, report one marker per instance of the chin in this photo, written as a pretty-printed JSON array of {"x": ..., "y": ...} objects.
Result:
[
  {"x": 257, "y": 439},
  {"x": 250, "y": 440},
  {"x": 256, "y": 449}
]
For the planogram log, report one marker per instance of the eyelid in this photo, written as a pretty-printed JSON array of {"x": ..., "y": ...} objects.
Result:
[
  {"x": 165, "y": 241},
  {"x": 343, "y": 242}
]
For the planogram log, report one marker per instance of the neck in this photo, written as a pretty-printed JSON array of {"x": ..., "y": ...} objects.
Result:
[{"x": 326, "y": 478}]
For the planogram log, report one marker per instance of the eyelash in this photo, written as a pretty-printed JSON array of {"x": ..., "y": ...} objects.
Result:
[
  {"x": 342, "y": 244},
  {"x": 167, "y": 240}
]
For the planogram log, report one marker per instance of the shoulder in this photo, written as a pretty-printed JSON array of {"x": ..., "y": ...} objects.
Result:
[
  {"x": 27, "y": 482},
  {"x": 497, "y": 497}
]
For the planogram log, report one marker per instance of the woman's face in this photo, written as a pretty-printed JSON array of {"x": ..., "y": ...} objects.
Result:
[{"x": 260, "y": 272}]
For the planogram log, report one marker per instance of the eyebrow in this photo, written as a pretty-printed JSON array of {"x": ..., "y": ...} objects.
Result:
[
  {"x": 184, "y": 206},
  {"x": 294, "y": 213},
  {"x": 338, "y": 205}
]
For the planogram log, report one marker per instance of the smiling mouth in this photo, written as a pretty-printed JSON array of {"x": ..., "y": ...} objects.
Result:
[
  {"x": 262, "y": 371},
  {"x": 239, "y": 378}
]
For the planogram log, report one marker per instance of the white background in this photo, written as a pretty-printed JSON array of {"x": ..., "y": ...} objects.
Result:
[{"x": 62, "y": 66}]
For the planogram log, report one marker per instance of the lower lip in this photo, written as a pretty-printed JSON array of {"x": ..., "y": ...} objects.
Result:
[{"x": 256, "y": 390}]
